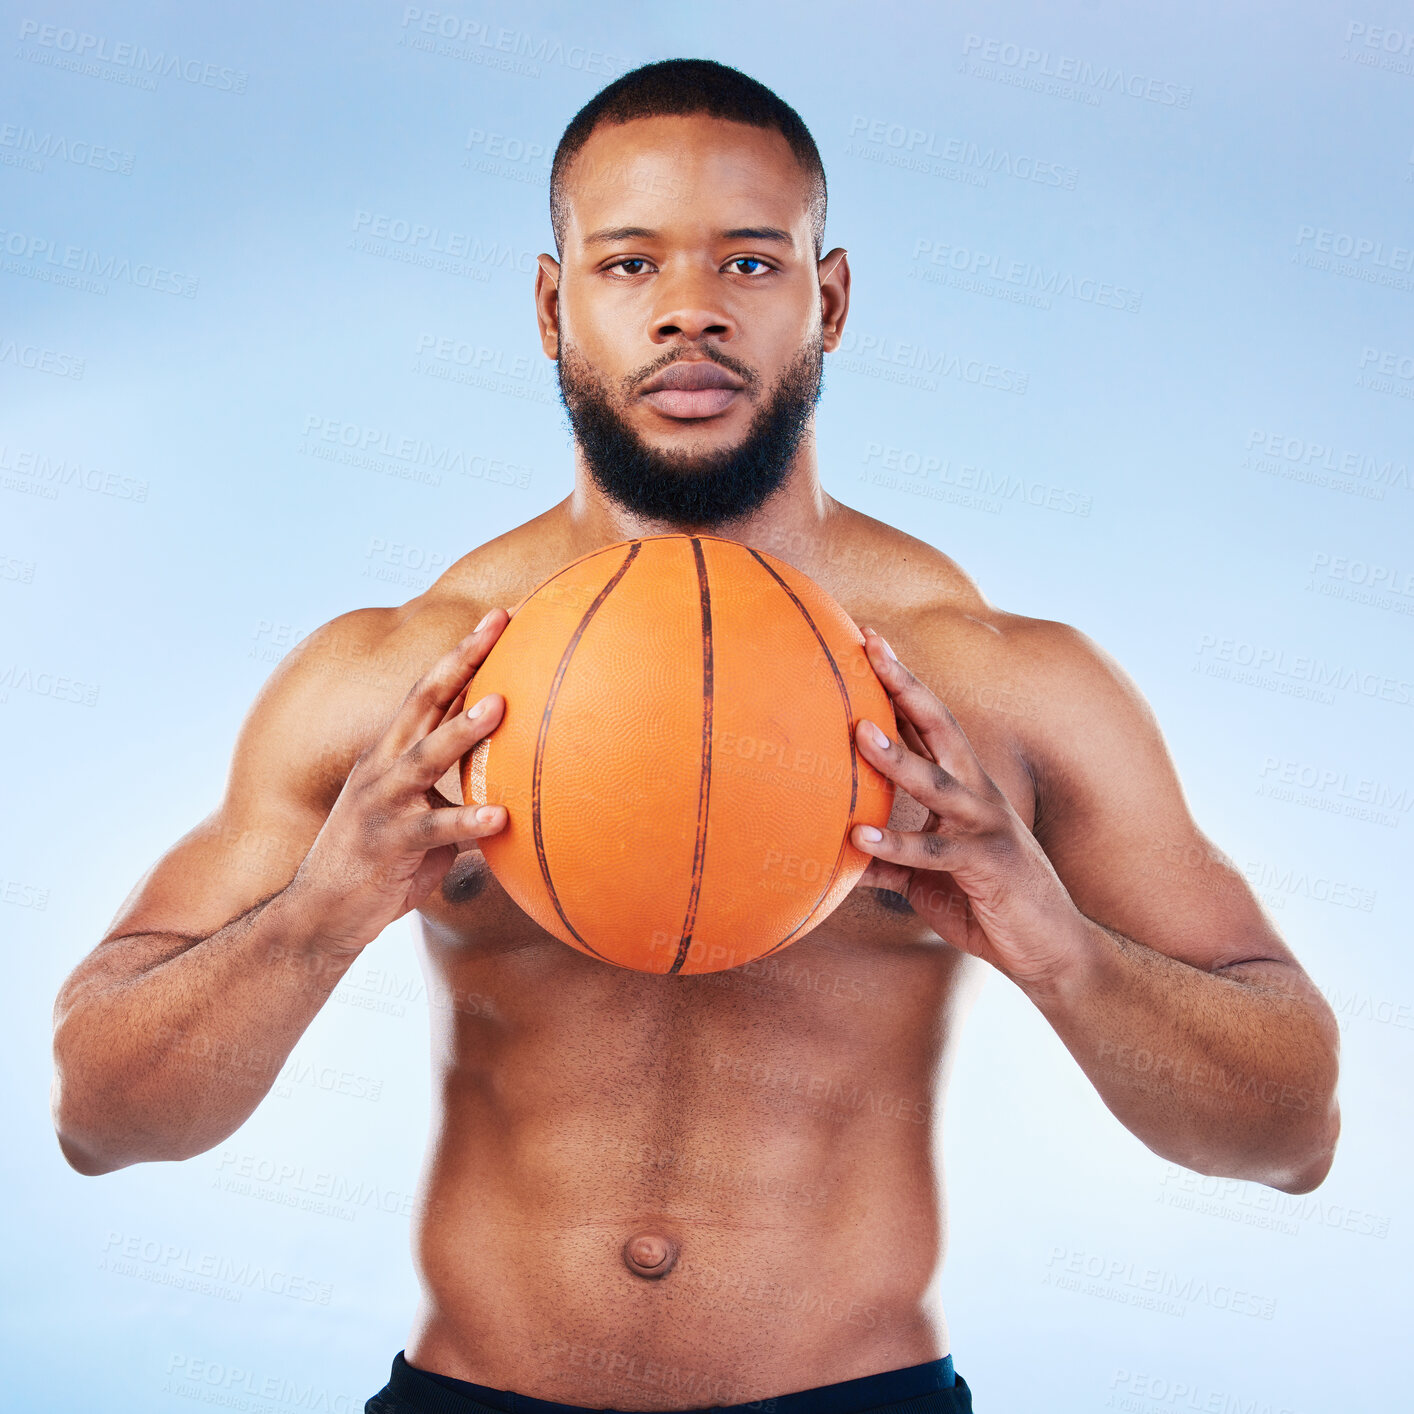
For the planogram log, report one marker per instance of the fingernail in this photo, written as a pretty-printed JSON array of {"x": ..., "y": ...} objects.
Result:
[
  {"x": 486, "y": 814},
  {"x": 887, "y": 649},
  {"x": 484, "y": 621},
  {"x": 868, "y": 832},
  {"x": 876, "y": 735},
  {"x": 477, "y": 709}
]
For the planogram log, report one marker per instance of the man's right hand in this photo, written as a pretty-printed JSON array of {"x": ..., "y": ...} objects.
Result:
[{"x": 390, "y": 837}]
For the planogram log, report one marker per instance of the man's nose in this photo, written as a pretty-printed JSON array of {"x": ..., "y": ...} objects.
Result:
[{"x": 689, "y": 305}]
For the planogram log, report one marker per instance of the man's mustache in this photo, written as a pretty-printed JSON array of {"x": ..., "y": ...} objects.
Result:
[{"x": 744, "y": 371}]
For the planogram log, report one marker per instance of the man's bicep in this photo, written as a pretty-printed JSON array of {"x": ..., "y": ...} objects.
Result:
[
  {"x": 291, "y": 755},
  {"x": 1113, "y": 819}
]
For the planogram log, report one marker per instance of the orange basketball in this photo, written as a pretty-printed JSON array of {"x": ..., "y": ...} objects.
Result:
[{"x": 677, "y": 755}]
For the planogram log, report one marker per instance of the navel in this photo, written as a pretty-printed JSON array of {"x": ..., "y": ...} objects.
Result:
[{"x": 650, "y": 1254}]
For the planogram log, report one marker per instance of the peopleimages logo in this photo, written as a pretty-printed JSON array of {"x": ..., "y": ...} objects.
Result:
[
  {"x": 63, "y": 48},
  {"x": 1130, "y": 1283},
  {"x": 1257, "y": 1205},
  {"x": 52, "y": 472},
  {"x": 1140, "y": 1392},
  {"x": 1302, "y": 675},
  {"x": 456, "y": 37},
  {"x": 409, "y": 458},
  {"x": 918, "y": 366},
  {"x": 209, "y": 1273},
  {"x": 1353, "y": 247},
  {"x": 1305, "y": 459},
  {"x": 1354, "y": 257},
  {"x": 1336, "y": 791},
  {"x": 42, "y": 258},
  {"x": 235, "y": 1387},
  {"x": 1379, "y": 47},
  {"x": 989, "y": 272},
  {"x": 903, "y": 467},
  {"x": 41, "y": 360},
  {"x": 321, "y": 1191},
  {"x": 1089, "y": 79},
  {"x": 24, "y": 146},
  {"x": 929, "y": 151}
]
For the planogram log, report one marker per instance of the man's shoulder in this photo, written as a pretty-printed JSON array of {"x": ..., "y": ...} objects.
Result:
[
  {"x": 1051, "y": 673},
  {"x": 396, "y": 644},
  {"x": 1040, "y": 690},
  {"x": 333, "y": 694},
  {"x": 1049, "y": 682},
  {"x": 1074, "y": 715},
  {"x": 1050, "y": 654},
  {"x": 940, "y": 607}
]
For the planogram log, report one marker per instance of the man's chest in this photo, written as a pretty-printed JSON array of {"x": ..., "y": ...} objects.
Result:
[{"x": 472, "y": 907}]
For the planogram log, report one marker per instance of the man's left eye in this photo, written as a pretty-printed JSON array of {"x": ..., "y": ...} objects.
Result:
[{"x": 748, "y": 260}]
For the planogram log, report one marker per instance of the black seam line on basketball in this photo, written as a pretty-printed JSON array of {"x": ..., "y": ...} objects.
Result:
[
  {"x": 544, "y": 729},
  {"x": 550, "y": 579},
  {"x": 849, "y": 742},
  {"x": 704, "y": 787},
  {"x": 602, "y": 550},
  {"x": 578, "y": 560}
]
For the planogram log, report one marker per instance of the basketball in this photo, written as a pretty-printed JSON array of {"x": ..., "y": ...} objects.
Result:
[{"x": 676, "y": 755}]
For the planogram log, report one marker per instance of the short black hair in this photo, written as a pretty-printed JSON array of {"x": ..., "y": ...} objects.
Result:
[{"x": 677, "y": 87}]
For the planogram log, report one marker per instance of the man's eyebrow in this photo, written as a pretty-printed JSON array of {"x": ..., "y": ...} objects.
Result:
[
  {"x": 759, "y": 233},
  {"x": 613, "y": 234},
  {"x": 619, "y": 233}
]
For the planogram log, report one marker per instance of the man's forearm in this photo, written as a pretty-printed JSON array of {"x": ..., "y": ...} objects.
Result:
[
  {"x": 166, "y": 1063},
  {"x": 1230, "y": 1072}
]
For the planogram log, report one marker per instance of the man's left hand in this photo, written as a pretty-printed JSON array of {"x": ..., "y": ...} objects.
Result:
[{"x": 974, "y": 873}]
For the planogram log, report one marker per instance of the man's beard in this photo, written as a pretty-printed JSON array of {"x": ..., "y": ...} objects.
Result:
[{"x": 701, "y": 490}]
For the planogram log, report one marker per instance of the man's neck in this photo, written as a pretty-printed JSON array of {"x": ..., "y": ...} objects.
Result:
[{"x": 786, "y": 525}]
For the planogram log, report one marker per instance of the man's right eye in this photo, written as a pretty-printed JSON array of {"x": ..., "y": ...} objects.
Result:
[{"x": 626, "y": 261}]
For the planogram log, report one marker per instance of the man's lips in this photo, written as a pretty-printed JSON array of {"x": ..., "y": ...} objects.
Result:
[
  {"x": 692, "y": 388},
  {"x": 690, "y": 402}
]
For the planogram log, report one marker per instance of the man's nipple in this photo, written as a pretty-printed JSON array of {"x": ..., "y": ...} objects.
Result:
[{"x": 650, "y": 1254}]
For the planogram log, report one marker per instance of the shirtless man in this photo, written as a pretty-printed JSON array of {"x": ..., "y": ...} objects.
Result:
[{"x": 580, "y": 1238}]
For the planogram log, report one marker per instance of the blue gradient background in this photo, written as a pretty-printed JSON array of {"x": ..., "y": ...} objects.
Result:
[{"x": 166, "y": 533}]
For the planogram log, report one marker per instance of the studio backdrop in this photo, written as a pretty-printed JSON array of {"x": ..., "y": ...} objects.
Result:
[{"x": 1131, "y": 339}]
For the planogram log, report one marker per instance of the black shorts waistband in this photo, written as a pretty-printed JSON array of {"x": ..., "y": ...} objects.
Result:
[{"x": 930, "y": 1388}]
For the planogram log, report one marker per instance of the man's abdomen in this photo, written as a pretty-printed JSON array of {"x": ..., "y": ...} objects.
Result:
[
  {"x": 581, "y": 1256},
  {"x": 640, "y": 1183}
]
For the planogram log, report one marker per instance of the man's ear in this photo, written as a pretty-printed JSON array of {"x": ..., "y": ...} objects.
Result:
[
  {"x": 834, "y": 297},
  {"x": 547, "y": 304}
]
